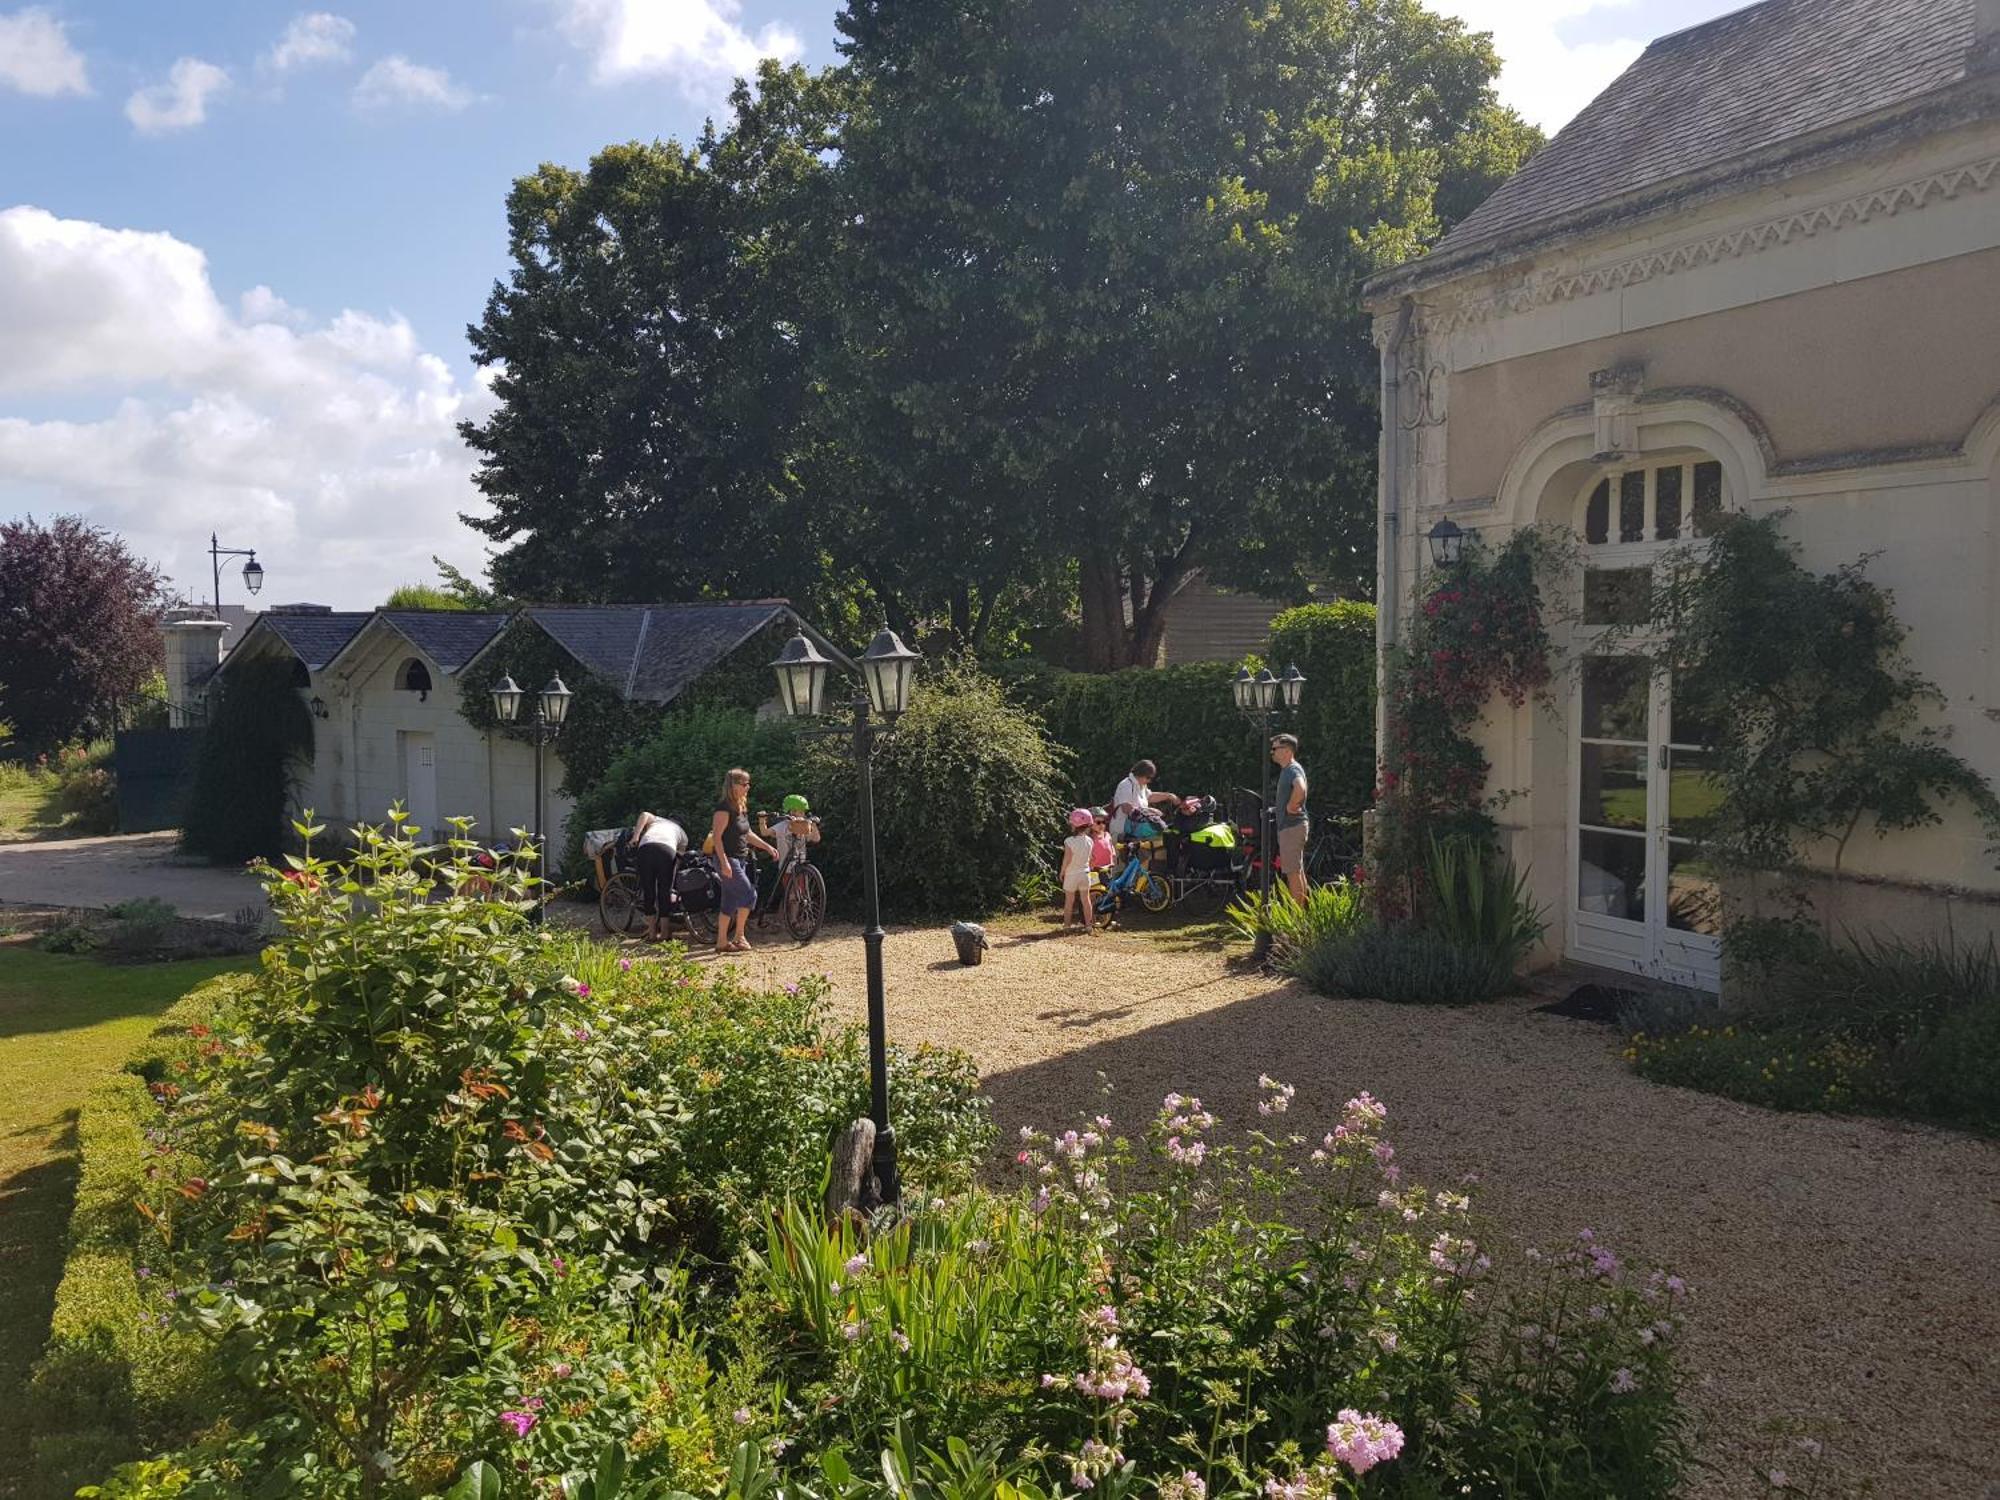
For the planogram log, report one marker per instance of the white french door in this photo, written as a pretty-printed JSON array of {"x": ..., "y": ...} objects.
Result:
[{"x": 1642, "y": 898}]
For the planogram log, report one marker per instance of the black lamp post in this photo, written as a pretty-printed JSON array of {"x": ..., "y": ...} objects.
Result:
[
  {"x": 551, "y": 710},
  {"x": 888, "y": 669},
  {"x": 253, "y": 571},
  {"x": 1261, "y": 699},
  {"x": 1447, "y": 540}
]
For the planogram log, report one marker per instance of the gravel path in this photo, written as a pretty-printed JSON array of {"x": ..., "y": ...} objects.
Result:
[{"x": 1846, "y": 1271}]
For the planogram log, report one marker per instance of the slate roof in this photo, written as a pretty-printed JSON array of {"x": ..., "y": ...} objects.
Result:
[
  {"x": 652, "y": 652},
  {"x": 1763, "y": 77},
  {"x": 316, "y": 639},
  {"x": 449, "y": 637}
]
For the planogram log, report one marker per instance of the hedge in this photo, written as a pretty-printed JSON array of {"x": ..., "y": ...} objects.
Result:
[
  {"x": 111, "y": 1384},
  {"x": 1184, "y": 718},
  {"x": 1334, "y": 645}
]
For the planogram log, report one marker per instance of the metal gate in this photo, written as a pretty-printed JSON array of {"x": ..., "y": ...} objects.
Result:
[{"x": 154, "y": 767}]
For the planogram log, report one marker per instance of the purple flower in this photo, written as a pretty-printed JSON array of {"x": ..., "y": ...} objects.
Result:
[
  {"x": 1361, "y": 1442},
  {"x": 519, "y": 1421}
]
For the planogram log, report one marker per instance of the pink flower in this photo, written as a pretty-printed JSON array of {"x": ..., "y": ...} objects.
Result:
[
  {"x": 519, "y": 1421},
  {"x": 1361, "y": 1442},
  {"x": 1623, "y": 1382},
  {"x": 856, "y": 1264},
  {"x": 742, "y": 1416},
  {"x": 625, "y": 966}
]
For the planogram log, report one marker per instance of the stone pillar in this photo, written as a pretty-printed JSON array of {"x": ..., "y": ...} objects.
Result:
[{"x": 194, "y": 648}]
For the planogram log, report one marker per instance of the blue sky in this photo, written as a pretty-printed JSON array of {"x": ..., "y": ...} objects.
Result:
[{"x": 240, "y": 240}]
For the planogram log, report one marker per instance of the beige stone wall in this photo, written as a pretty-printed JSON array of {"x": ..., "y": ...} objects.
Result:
[
  {"x": 1901, "y": 360},
  {"x": 1835, "y": 343}
]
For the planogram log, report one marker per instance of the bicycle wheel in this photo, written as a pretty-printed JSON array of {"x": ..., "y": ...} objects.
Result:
[
  {"x": 1154, "y": 893},
  {"x": 618, "y": 904},
  {"x": 805, "y": 903},
  {"x": 1330, "y": 857},
  {"x": 701, "y": 926}
]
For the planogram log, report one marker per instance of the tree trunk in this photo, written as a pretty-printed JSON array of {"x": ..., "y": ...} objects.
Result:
[
  {"x": 961, "y": 615},
  {"x": 1101, "y": 599}
]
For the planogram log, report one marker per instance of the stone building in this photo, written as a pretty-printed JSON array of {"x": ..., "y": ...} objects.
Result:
[{"x": 1760, "y": 273}]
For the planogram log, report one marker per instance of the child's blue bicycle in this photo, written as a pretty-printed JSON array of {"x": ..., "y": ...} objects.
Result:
[{"x": 1135, "y": 878}]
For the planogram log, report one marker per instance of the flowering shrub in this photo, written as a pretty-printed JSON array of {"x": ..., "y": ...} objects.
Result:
[
  {"x": 1278, "y": 1318},
  {"x": 1480, "y": 633},
  {"x": 430, "y": 1194}
]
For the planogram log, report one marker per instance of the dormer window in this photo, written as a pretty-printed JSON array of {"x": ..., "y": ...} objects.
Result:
[{"x": 415, "y": 677}]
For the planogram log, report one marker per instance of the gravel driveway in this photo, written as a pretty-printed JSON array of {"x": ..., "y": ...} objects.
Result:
[{"x": 1846, "y": 1271}]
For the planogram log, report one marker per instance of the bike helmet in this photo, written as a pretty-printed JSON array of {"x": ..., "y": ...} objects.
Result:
[
  {"x": 1079, "y": 817},
  {"x": 1099, "y": 815},
  {"x": 795, "y": 804}
]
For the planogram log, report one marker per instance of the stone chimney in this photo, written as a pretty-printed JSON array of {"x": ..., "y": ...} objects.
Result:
[{"x": 194, "y": 649}]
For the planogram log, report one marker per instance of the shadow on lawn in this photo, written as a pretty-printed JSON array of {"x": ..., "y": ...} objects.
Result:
[{"x": 34, "y": 1213}]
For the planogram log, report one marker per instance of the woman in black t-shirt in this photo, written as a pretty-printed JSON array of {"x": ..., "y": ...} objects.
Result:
[{"x": 733, "y": 842}]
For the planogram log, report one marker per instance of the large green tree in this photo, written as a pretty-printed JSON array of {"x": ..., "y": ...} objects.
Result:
[
  {"x": 1113, "y": 251},
  {"x": 1026, "y": 302}
]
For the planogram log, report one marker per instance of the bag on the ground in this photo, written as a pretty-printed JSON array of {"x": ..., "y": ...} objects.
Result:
[{"x": 970, "y": 940}]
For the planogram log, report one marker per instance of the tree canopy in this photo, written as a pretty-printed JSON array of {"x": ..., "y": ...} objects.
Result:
[
  {"x": 79, "y": 628},
  {"x": 1025, "y": 309}
]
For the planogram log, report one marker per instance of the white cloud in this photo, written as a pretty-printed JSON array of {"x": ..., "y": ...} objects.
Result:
[
  {"x": 1549, "y": 79},
  {"x": 181, "y": 102},
  {"x": 396, "y": 80},
  {"x": 315, "y": 37},
  {"x": 36, "y": 57},
  {"x": 329, "y": 445},
  {"x": 699, "y": 43}
]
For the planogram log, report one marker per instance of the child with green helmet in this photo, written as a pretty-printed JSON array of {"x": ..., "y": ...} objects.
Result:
[{"x": 798, "y": 825}]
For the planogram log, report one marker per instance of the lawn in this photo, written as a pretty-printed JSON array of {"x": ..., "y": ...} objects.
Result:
[
  {"x": 24, "y": 798},
  {"x": 64, "y": 1023}
]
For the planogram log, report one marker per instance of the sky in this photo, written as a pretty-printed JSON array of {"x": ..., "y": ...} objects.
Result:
[{"x": 240, "y": 242}]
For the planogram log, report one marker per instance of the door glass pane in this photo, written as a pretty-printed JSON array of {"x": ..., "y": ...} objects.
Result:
[
  {"x": 1597, "y": 517},
  {"x": 1707, "y": 497},
  {"x": 1693, "y": 793},
  {"x": 1614, "y": 787},
  {"x": 1694, "y": 896},
  {"x": 1617, "y": 596},
  {"x": 1615, "y": 698},
  {"x": 1667, "y": 505},
  {"x": 1688, "y": 725},
  {"x": 1632, "y": 506},
  {"x": 1611, "y": 875}
]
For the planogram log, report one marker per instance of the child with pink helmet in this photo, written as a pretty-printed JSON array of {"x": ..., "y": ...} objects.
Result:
[{"x": 1077, "y": 849}]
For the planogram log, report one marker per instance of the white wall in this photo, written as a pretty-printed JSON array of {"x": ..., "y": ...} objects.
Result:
[{"x": 487, "y": 778}]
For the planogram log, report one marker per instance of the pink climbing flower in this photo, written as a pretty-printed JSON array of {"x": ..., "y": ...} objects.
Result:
[{"x": 519, "y": 1422}]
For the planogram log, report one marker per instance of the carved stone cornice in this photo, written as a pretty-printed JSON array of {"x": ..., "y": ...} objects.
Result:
[{"x": 1551, "y": 287}]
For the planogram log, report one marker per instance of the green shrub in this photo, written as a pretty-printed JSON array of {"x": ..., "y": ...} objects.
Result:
[
  {"x": 1883, "y": 1026},
  {"x": 1334, "y": 645},
  {"x": 1477, "y": 899},
  {"x": 1164, "y": 1306},
  {"x": 69, "y": 933},
  {"x": 83, "y": 791},
  {"x": 968, "y": 802},
  {"x": 140, "y": 925},
  {"x": 1181, "y": 717},
  {"x": 1330, "y": 912},
  {"x": 246, "y": 769},
  {"x": 426, "y": 1165},
  {"x": 1404, "y": 964},
  {"x": 676, "y": 771}
]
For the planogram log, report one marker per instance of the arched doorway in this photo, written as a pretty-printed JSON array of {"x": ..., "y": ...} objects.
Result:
[{"x": 1642, "y": 895}]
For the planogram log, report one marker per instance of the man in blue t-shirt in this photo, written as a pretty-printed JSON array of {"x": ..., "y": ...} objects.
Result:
[{"x": 1294, "y": 822}]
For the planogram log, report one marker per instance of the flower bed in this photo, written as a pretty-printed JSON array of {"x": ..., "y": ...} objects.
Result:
[{"x": 453, "y": 1213}]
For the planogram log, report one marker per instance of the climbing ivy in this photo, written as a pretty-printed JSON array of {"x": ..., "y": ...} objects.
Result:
[{"x": 1818, "y": 717}]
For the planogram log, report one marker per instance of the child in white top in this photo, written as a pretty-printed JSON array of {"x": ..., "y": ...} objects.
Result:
[{"x": 1076, "y": 869}]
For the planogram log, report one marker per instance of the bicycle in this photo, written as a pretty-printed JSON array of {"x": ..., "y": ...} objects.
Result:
[
  {"x": 1135, "y": 878},
  {"x": 1333, "y": 851},
  {"x": 796, "y": 890},
  {"x": 619, "y": 907}
]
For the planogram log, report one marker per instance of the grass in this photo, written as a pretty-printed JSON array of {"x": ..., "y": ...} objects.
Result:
[
  {"x": 64, "y": 1024},
  {"x": 24, "y": 804}
]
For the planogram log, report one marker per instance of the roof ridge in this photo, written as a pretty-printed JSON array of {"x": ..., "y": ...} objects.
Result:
[{"x": 1727, "y": 15}]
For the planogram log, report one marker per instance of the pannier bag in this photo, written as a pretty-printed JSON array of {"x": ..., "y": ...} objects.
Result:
[{"x": 696, "y": 885}]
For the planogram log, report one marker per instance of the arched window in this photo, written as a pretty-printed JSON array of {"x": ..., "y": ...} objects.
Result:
[
  {"x": 1629, "y": 517},
  {"x": 414, "y": 677}
]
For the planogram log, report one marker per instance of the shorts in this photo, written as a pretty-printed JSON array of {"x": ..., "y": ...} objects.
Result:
[
  {"x": 1292, "y": 845},
  {"x": 739, "y": 892},
  {"x": 1077, "y": 882}
]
